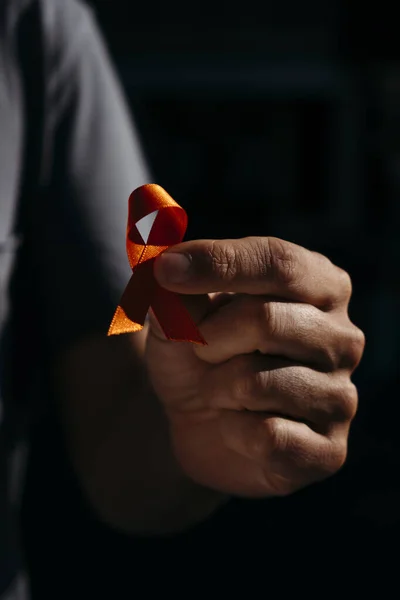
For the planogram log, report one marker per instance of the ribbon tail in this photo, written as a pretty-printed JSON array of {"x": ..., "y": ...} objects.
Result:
[
  {"x": 135, "y": 302},
  {"x": 174, "y": 318}
]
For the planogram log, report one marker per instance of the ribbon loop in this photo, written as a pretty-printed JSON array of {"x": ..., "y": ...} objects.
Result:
[{"x": 155, "y": 222}]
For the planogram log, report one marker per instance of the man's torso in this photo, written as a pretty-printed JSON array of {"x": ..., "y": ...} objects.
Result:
[{"x": 11, "y": 131}]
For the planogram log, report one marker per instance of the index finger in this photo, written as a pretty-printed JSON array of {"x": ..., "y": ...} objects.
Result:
[{"x": 253, "y": 265}]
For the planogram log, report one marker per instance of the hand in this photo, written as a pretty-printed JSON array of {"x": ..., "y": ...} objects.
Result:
[{"x": 265, "y": 408}]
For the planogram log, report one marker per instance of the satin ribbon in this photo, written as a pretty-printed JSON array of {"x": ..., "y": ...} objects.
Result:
[{"x": 155, "y": 222}]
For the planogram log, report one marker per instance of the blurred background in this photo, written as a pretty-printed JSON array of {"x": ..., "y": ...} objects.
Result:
[{"x": 283, "y": 119}]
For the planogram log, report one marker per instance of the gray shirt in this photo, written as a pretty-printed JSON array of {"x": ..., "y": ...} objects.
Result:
[{"x": 69, "y": 157}]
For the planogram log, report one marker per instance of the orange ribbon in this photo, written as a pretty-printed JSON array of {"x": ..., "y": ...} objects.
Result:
[{"x": 155, "y": 222}]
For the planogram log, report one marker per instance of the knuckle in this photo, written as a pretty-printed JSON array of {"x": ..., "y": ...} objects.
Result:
[
  {"x": 335, "y": 458},
  {"x": 344, "y": 283},
  {"x": 279, "y": 259},
  {"x": 265, "y": 319},
  {"x": 223, "y": 259},
  {"x": 249, "y": 388},
  {"x": 256, "y": 448},
  {"x": 347, "y": 347},
  {"x": 276, "y": 434},
  {"x": 347, "y": 402},
  {"x": 355, "y": 346},
  {"x": 270, "y": 441},
  {"x": 328, "y": 353},
  {"x": 329, "y": 358},
  {"x": 270, "y": 321}
]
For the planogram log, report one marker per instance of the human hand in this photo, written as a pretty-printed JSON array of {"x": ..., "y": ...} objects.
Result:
[{"x": 265, "y": 408}]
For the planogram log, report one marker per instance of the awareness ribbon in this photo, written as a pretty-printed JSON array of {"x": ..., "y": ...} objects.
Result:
[{"x": 155, "y": 222}]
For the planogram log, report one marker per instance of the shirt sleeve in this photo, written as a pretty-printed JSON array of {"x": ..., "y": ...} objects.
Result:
[{"x": 92, "y": 160}]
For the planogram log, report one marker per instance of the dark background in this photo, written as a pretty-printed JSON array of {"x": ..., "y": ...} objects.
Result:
[
  {"x": 281, "y": 118},
  {"x": 278, "y": 118}
]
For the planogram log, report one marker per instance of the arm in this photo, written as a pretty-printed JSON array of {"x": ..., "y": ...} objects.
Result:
[
  {"x": 119, "y": 440},
  {"x": 116, "y": 431}
]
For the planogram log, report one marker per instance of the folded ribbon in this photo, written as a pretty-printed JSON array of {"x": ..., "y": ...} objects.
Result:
[{"x": 155, "y": 222}]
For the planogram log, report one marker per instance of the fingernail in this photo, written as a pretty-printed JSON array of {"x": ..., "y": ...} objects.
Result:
[{"x": 173, "y": 267}]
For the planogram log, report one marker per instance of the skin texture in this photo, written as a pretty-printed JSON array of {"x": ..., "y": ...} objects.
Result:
[
  {"x": 162, "y": 433},
  {"x": 265, "y": 407}
]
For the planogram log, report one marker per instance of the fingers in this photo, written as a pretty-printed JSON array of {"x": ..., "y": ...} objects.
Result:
[
  {"x": 289, "y": 454},
  {"x": 297, "y": 331},
  {"x": 270, "y": 385},
  {"x": 253, "y": 265}
]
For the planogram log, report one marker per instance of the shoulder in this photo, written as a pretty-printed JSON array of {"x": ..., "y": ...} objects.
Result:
[
  {"x": 56, "y": 24},
  {"x": 58, "y": 21}
]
